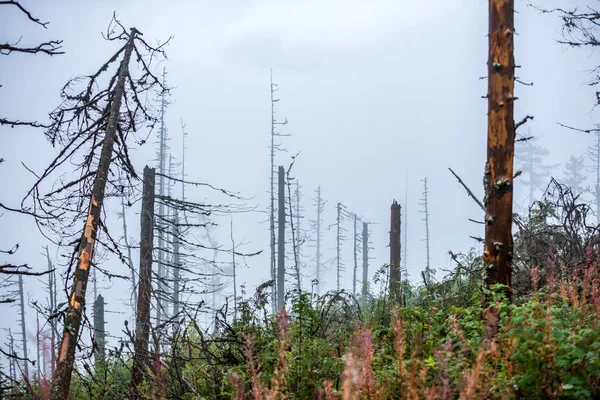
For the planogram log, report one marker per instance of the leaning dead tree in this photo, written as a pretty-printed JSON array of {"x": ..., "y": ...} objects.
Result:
[
  {"x": 93, "y": 129},
  {"x": 498, "y": 175}
]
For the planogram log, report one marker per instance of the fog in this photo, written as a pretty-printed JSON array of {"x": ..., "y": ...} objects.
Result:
[{"x": 376, "y": 93}]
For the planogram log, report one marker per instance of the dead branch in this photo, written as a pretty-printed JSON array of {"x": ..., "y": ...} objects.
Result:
[{"x": 469, "y": 192}]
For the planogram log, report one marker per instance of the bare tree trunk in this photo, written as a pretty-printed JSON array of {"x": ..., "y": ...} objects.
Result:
[
  {"x": 38, "y": 348},
  {"x": 274, "y": 275},
  {"x": 405, "y": 248},
  {"x": 425, "y": 204},
  {"x": 355, "y": 259},
  {"x": 338, "y": 245},
  {"x": 162, "y": 159},
  {"x": 176, "y": 265},
  {"x": 52, "y": 300},
  {"x": 498, "y": 178},
  {"x": 318, "y": 257},
  {"x": 295, "y": 233},
  {"x": 12, "y": 363},
  {"x": 142, "y": 325},
  {"x": 99, "y": 333},
  {"x": 395, "y": 249},
  {"x": 281, "y": 241},
  {"x": 129, "y": 258},
  {"x": 597, "y": 168},
  {"x": 234, "y": 273},
  {"x": 365, "y": 259},
  {"x": 72, "y": 323},
  {"x": 23, "y": 326}
]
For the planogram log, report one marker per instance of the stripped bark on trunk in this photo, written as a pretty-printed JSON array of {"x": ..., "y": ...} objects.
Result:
[
  {"x": 72, "y": 323},
  {"x": 498, "y": 177}
]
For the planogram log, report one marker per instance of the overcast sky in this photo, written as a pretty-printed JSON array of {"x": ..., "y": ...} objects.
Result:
[{"x": 373, "y": 91}]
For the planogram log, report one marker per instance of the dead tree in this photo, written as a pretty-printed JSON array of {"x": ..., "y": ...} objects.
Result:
[
  {"x": 273, "y": 148},
  {"x": 233, "y": 265},
  {"x": 425, "y": 211},
  {"x": 281, "y": 241},
  {"x": 395, "y": 249},
  {"x": 13, "y": 360},
  {"x": 498, "y": 175},
  {"x": 298, "y": 232},
  {"x": 341, "y": 213},
  {"x": 142, "y": 325},
  {"x": 365, "y": 259},
  {"x": 162, "y": 171},
  {"x": 38, "y": 347},
  {"x": 593, "y": 152},
  {"x": 52, "y": 301},
  {"x": 129, "y": 258},
  {"x": 99, "y": 333},
  {"x": 176, "y": 264},
  {"x": 405, "y": 247},
  {"x": 319, "y": 203},
  {"x": 93, "y": 129},
  {"x": 294, "y": 229},
  {"x": 23, "y": 326},
  {"x": 354, "y": 250}
]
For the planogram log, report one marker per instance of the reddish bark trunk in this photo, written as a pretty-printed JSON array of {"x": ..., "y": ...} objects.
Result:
[{"x": 498, "y": 178}]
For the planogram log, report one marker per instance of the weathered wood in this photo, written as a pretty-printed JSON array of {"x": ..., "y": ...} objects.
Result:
[
  {"x": 498, "y": 176},
  {"x": 395, "y": 248},
  {"x": 61, "y": 380},
  {"x": 142, "y": 325},
  {"x": 99, "y": 333},
  {"x": 281, "y": 240}
]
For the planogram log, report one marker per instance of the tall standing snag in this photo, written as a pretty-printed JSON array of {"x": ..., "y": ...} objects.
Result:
[
  {"x": 281, "y": 241},
  {"x": 395, "y": 251},
  {"x": 365, "y": 263},
  {"x": 498, "y": 176},
  {"x": 142, "y": 325}
]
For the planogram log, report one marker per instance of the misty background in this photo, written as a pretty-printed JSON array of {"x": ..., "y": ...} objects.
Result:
[{"x": 374, "y": 92}]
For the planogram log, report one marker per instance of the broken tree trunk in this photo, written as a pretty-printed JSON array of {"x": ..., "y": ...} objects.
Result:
[
  {"x": 142, "y": 324},
  {"x": 395, "y": 252},
  {"x": 99, "y": 334},
  {"x": 61, "y": 380},
  {"x": 281, "y": 241},
  {"x": 498, "y": 177}
]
